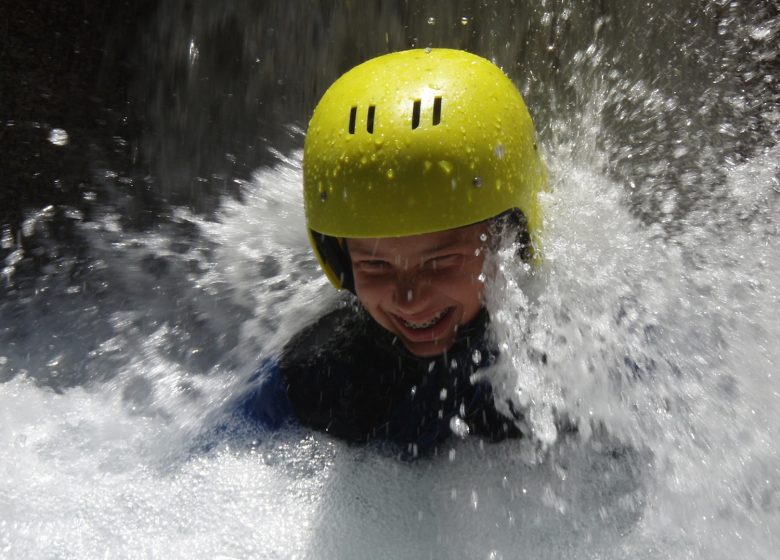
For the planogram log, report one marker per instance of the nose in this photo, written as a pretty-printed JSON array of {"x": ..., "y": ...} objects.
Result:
[{"x": 411, "y": 293}]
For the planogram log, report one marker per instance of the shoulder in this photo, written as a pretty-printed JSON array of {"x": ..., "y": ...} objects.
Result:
[
  {"x": 336, "y": 337},
  {"x": 331, "y": 370}
]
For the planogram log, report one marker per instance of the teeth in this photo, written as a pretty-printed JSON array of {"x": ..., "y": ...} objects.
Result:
[{"x": 428, "y": 323}]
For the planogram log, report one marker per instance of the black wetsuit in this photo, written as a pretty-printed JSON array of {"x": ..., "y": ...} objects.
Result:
[{"x": 351, "y": 378}]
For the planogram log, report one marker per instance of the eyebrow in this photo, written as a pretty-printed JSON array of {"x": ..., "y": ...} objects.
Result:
[{"x": 361, "y": 246}]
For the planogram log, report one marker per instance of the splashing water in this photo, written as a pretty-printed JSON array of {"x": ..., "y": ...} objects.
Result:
[
  {"x": 665, "y": 341},
  {"x": 658, "y": 348},
  {"x": 650, "y": 327}
]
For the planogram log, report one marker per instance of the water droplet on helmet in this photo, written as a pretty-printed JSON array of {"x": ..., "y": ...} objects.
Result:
[
  {"x": 464, "y": 20},
  {"x": 477, "y": 182},
  {"x": 390, "y": 174},
  {"x": 431, "y": 20},
  {"x": 500, "y": 151},
  {"x": 323, "y": 196}
]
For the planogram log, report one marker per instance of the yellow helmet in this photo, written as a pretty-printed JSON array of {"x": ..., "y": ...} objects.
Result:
[{"x": 415, "y": 142}]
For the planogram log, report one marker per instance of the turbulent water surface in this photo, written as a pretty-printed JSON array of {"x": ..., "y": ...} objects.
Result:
[{"x": 651, "y": 324}]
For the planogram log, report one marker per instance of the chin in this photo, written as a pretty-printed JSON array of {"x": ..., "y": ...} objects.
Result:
[{"x": 428, "y": 349}]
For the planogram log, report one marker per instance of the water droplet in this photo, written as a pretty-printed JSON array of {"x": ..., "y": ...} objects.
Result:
[
  {"x": 409, "y": 295},
  {"x": 459, "y": 427},
  {"x": 464, "y": 20},
  {"x": 193, "y": 51},
  {"x": 454, "y": 364},
  {"x": 760, "y": 32},
  {"x": 454, "y": 493},
  {"x": 431, "y": 365},
  {"x": 483, "y": 237},
  {"x": 500, "y": 151},
  {"x": 58, "y": 137},
  {"x": 7, "y": 240},
  {"x": 443, "y": 395},
  {"x": 477, "y": 182},
  {"x": 446, "y": 166},
  {"x": 414, "y": 390},
  {"x": 474, "y": 500},
  {"x": 428, "y": 50},
  {"x": 476, "y": 357},
  {"x": 390, "y": 174},
  {"x": 431, "y": 20},
  {"x": 323, "y": 196}
]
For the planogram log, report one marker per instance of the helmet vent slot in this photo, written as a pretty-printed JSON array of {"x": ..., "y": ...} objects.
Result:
[
  {"x": 352, "y": 119},
  {"x": 370, "y": 119},
  {"x": 436, "y": 110},
  {"x": 416, "y": 114}
]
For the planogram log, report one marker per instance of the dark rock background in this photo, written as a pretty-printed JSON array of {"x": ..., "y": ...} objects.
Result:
[{"x": 68, "y": 65}]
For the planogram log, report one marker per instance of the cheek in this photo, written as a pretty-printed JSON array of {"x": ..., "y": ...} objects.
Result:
[
  {"x": 370, "y": 291},
  {"x": 464, "y": 285}
]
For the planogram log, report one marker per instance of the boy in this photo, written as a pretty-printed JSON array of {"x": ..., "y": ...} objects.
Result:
[{"x": 413, "y": 162}]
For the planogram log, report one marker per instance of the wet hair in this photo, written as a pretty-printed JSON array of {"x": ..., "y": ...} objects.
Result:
[{"x": 511, "y": 227}]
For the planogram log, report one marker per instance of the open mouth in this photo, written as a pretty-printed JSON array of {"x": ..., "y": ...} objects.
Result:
[{"x": 427, "y": 324}]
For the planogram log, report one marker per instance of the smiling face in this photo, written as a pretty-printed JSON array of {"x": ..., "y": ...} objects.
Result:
[{"x": 421, "y": 287}]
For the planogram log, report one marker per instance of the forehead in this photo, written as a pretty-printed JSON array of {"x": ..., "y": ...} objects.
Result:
[{"x": 424, "y": 243}]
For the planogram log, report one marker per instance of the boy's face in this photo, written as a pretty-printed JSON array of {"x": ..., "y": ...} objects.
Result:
[{"x": 421, "y": 287}]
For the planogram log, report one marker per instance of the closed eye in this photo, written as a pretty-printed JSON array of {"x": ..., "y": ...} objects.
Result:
[
  {"x": 372, "y": 266},
  {"x": 445, "y": 261}
]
